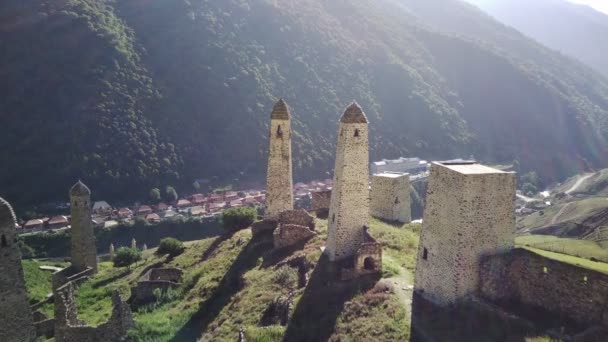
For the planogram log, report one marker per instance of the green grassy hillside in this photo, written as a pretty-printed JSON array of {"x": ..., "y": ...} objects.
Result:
[{"x": 139, "y": 94}]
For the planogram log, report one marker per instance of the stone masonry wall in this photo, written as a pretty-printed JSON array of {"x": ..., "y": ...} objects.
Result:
[
  {"x": 349, "y": 208},
  {"x": 390, "y": 197},
  {"x": 68, "y": 328},
  {"x": 297, "y": 217},
  {"x": 527, "y": 278},
  {"x": 291, "y": 234},
  {"x": 469, "y": 213},
  {"x": 156, "y": 278},
  {"x": 279, "y": 177},
  {"x": 84, "y": 251},
  {"x": 321, "y": 199},
  {"x": 15, "y": 315}
]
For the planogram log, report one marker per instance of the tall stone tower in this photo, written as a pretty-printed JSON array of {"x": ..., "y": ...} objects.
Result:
[
  {"x": 15, "y": 315},
  {"x": 349, "y": 204},
  {"x": 390, "y": 197},
  {"x": 279, "y": 179},
  {"x": 84, "y": 252},
  {"x": 470, "y": 212}
]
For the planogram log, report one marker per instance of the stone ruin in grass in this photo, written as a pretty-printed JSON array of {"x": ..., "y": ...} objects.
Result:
[
  {"x": 293, "y": 227},
  {"x": 156, "y": 278}
]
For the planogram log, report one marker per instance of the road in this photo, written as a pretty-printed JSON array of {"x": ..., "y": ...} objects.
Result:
[
  {"x": 578, "y": 183},
  {"x": 559, "y": 213}
]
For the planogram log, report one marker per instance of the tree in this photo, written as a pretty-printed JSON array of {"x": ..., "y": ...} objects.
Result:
[
  {"x": 170, "y": 194},
  {"x": 155, "y": 195},
  {"x": 126, "y": 256},
  {"x": 172, "y": 247},
  {"x": 238, "y": 218}
]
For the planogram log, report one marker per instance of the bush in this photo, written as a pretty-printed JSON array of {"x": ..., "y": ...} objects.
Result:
[
  {"x": 238, "y": 218},
  {"x": 286, "y": 277},
  {"x": 172, "y": 247},
  {"x": 126, "y": 256}
]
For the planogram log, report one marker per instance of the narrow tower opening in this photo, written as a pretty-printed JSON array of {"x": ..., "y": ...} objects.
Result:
[
  {"x": 279, "y": 131},
  {"x": 369, "y": 264},
  {"x": 356, "y": 133},
  {"x": 425, "y": 254},
  {"x": 4, "y": 244},
  {"x": 396, "y": 200}
]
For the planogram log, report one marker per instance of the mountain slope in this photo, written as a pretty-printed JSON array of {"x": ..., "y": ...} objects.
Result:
[
  {"x": 190, "y": 84},
  {"x": 576, "y": 30}
]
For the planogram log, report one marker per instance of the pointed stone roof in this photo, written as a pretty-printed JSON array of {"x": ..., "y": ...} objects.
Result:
[
  {"x": 79, "y": 189},
  {"x": 6, "y": 212},
  {"x": 353, "y": 114},
  {"x": 280, "y": 111}
]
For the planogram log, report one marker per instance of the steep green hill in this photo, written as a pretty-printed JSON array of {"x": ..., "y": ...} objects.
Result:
[{"x": 147, "y": 93}]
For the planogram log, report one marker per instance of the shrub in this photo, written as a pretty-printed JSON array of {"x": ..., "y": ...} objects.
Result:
[
  {"x": 286, "y": 276},
  {"x": 126, "y": 256},
  {"x": 238, "y": 218},
  {"x": 172, "y": 247}
]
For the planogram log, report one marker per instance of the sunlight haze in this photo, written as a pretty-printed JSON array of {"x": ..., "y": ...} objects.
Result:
[{"x": 600, "y": 5}]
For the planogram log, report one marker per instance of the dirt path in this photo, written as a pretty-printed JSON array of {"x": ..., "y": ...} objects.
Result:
[
  {"x": 579, "y": 182},
  {"x": 403, "y": 286}
]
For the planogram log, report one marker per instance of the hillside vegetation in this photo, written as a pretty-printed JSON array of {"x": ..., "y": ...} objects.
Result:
[{"x": 141, "y": 94}]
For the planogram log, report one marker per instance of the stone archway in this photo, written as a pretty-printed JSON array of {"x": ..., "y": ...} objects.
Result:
[{"x": 369, "y": 264}]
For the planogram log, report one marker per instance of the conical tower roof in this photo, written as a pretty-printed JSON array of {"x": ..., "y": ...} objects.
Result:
[
  {"x": 353, "y": 114},
  {"x": 6, "y": 212},
  {"x": 280, "y": 111},
  {"x": 79, "y": 189}
]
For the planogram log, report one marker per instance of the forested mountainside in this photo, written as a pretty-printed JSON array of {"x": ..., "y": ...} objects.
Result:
[
  {"x": 127, "y": 95},
  {"x": 576, "y": 30}
]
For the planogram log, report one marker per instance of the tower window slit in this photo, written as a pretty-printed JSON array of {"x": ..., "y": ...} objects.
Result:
[
  {"x": 4, "y": 244},
  {"x": 356, "y": 132},
  {"x": 425, "y": 254}
]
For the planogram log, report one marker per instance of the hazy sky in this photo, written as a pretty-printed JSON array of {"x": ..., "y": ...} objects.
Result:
[{"x": 600, "y": 5}]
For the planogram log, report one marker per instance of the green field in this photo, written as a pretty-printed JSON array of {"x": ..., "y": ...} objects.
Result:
[
  {"x": 565, "y": 212},
  {"x": 579, "y": 248},
  {"x": 569, "y": 259}
]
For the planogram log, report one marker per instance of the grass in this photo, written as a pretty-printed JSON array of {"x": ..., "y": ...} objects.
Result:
[
  {"x": 573, "y": 212},
  {"x": 38, "y": 282},
  {"x": 579, "y": 248},
  {"x": 572, "y": 260}
]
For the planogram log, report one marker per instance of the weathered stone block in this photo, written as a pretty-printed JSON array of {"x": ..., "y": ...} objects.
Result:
[
  {"x": 298, "y": 217},
  {"x": 390, "y": 197},
  {"x": 290, "y": 234}
]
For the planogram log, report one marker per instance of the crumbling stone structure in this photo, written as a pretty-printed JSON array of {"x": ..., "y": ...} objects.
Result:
[
  {"x": 279, "y": 177},
  {"x": 84, "y": 252},
  {"x": 68, "y": 328},
  {"x": 349, "y": 207},
  {"x": 526, "y": 278},
  {"x": 156, "y": 278},
  {"x": 320, "y": 202},
  {"x": 293, "y": 227},
  {"x": 15, "y": 313},
  {"x": 390, "y": 197},
  {"x": 469, "y": 213},
  {"x": 368, "y": 259}
]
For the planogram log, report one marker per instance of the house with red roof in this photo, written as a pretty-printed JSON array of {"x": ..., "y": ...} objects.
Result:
[
  {"x": 198, "y": 199},
  {"x": 144, "y": 210},
  {"x": 184, "y": 203},
  {"x": 57, "y": 222},
  {"x": 124, "y": 213},
  {"x": 153, "y": 218}
]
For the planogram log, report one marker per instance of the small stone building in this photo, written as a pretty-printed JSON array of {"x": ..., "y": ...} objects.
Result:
[
  {"x": 84, "y": 251},
  {"x": 293, "y": 227},
  {"x": 390, "y": 197},
  {"x": 349, "y": 207},
  {"x": 16, "y": 322},
  {"x": 156, "y": 278},
  {"x": 279, "y": 195},
  {"x": 320, "y": 202},
  {"x": 469, "y": 213}
]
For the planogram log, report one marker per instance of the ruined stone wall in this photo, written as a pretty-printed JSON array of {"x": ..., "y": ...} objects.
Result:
[
  {"x": 530, "y": 279},
  {"x": 69, "y": 274},
  {"x": 15, "y": 314},
  {"x": 84, "y": 251},
  {"x": 168, "y": 274},
  {"x": 298, "y": 217},
  {"x": 390, "y": 197},
  {"x": 469, "y": 213},
  {"x": 349, "y": 208},
  {"x": 279, "y": 177},
  {"x": 291, "y": 234},
  {"x": 321, "y": 199},
  {"x": 68, "y": 328}
]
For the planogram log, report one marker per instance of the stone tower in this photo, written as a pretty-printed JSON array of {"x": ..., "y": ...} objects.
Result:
[
  {"x": 15, "y": 315},
  {"x": 390, "y": 197},
  {"x": 279, "y": 179},
  {"x": 84, "y": 252},
  {"x": 469, "y": 213},
  {"x": 349, "y": 204}
]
